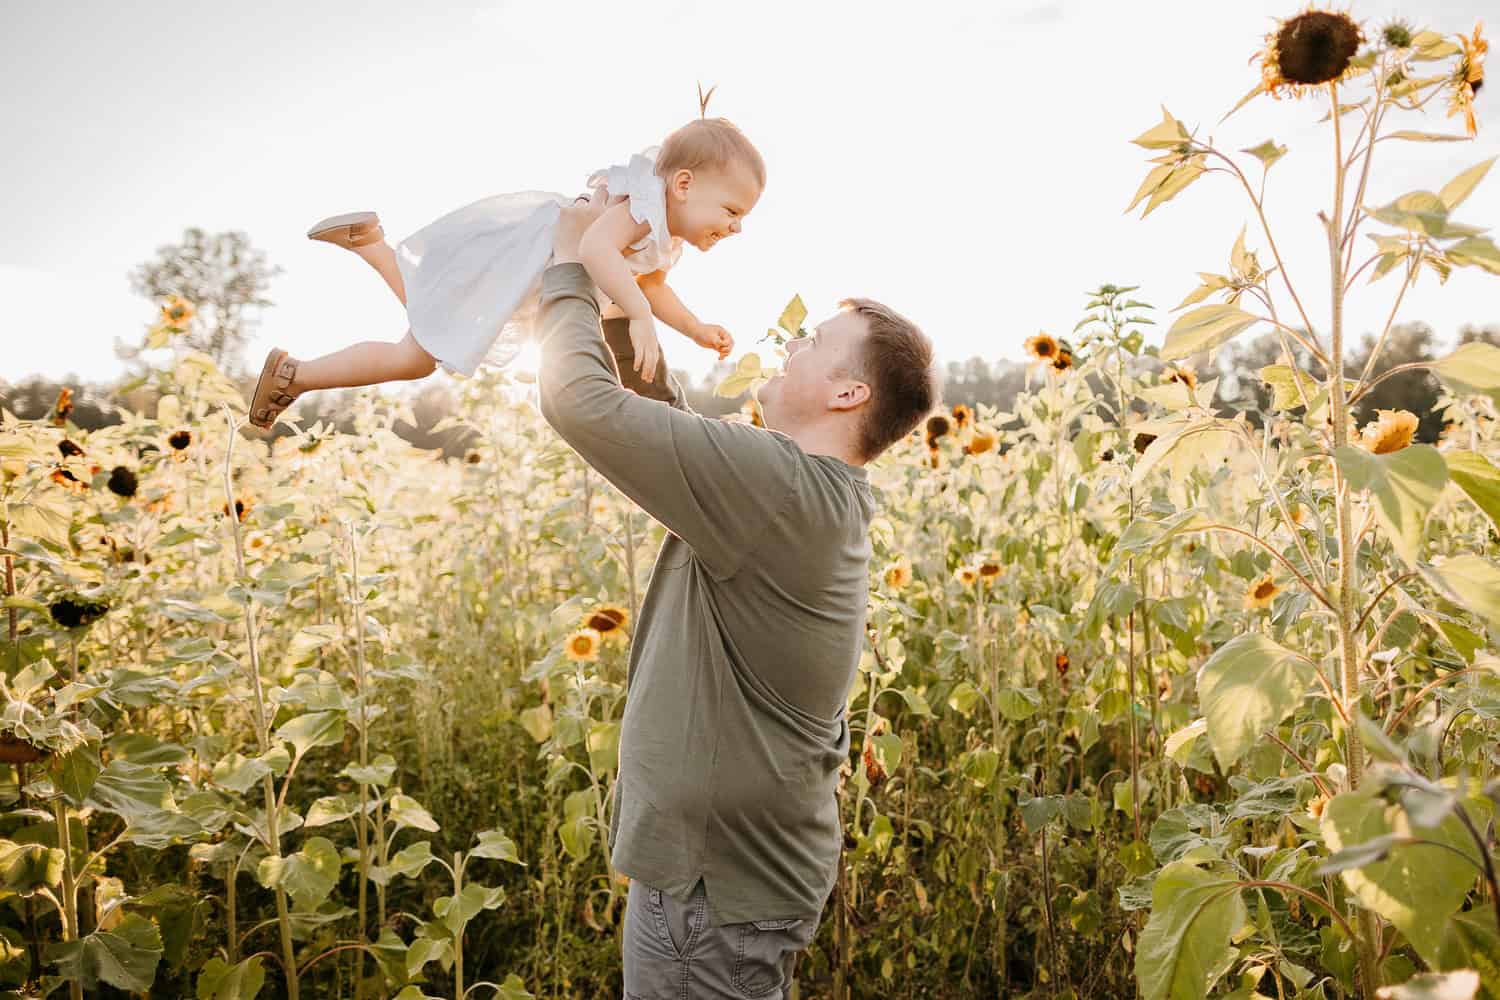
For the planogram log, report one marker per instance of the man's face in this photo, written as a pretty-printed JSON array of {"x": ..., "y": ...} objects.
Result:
[{"x": 817, "y": 368}]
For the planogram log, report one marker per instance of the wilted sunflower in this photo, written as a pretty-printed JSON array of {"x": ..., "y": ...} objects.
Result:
[
  {"x": 1181, "y": 374},
  {"x": 874, "y": 771},
  {"x": 180, "y": 439},
  {"x": 1468, "y": 77},
  {"x": 609, "y": 620},
  {"x": 1392, "y": 431},
  {"x": 1043, "y": 346},
  {"x": 962, "y": 415},
  {"x": 937, "y": 427},
  {"x": 980, "y": 442},
  {"x": 1309, "y": 49},
  {"x": 63, "y": 409},
  {"x": 177, "y": 312},
  {"x": 122, "y": 482},
  {"x": 1063, "y": 361},
  {"x": 68, "y": 481},
  {"x": 583, "y": 646},
  {"x": 966, "y": 575},
  {"x": 241, "y": 508},
  {"x": 898, "y": 574},
  {"x": 76, "y": 612},
  {"x": 69, "y": 449},
  {"x": 1261, "y": 592}
]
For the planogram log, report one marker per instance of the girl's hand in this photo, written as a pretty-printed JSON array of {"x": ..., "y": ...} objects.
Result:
[
  {"x": 647, "y": 347},
  {"x": 714, "y": 337}
]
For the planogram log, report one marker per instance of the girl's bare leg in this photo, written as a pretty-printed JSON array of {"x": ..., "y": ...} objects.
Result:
[
  {"x": 366, "y": 363},
  {"x": 382, "y": 258}
]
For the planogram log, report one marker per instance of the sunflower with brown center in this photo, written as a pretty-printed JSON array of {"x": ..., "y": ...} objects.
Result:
[
  {"x": 1261, "y": 593},
  {"x": 1183, "y": 375},
  {"x": 990, "y": 570},
  {"x": 898, "y": 575},
  {"x": 1391, "y": 431},
  {"x": 980, "y": 442},
  {"x": 122, "y": 482},
  {"x": 583, "y": 646},
  {"x": 1312, "y": 48},
  {"x": 962, "y": 415},
  {"x": 241, "y": 508},
  {"x": 967, "y": 576},
  {"x": 1043, "y": 346},
  {"x": 1063, "y": 361},
  {"x": 69, "y": 449},
  {"x": 1468, "y": 77},
  {"x": 68, "y": 481},
  {"x": 177, "y": 312},
  {"x": 609, "y": 621},
  {"x": 937, "y": 428}
]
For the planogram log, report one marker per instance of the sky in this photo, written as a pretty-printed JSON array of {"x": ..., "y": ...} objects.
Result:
[{"x": 968, "y": 164}]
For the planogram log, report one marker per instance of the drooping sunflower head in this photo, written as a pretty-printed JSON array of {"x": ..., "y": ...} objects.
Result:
[
  {"x": 1043, "y": 346},
  {"x": 583, "y": 646},
  {"x": 1309, "y": 49},
  {"x": 937, "y": 427},
  {"x": 1183, "y": 375},
  {"x": 1468, "y": 77},
  {"x": 1261, "y": 592},
  {"x": 981, "y": 441},
  {"x": 1391, "y": 431},
  {"x": 63, "y": 409},
  {"x": 69, "y": 448},
  {"x": 122, "y": 482},
  {"x": 898, "y": 574},
  {"x": 609, "y": 620}
]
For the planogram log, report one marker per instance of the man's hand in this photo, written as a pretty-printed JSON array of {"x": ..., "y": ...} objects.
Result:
[{"x": 575, "y": 221}]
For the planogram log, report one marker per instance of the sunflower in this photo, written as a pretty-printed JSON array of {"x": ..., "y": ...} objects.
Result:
[
  {"x": 1397, "y": 34},
  {"x": 990, "y": 570},
  {"x": 241, "y": 508},
  {"x": 76, "y": 612},
  {"x": 962, "y": 415},
  {"x": 1468, "y": 77},
  {"x": 1142, "y": 442},
  {"x": 63, "y": 409},
  {"x": 874, "y": 771},
  {"x": 1315, "y": 806},
  {"x": 69, "y": 449},
  {"x": 1309, "y": 49},
  {"x": 1183, "y": 375},
  {"x": 1261, "y": 592},
  {"x": 180, "y": 439},
  {"x": 1392, "y": 431},
  {"x": 68, "y": 481},
  {"x": 583, "y": 646},
  {"x": 981, "y": 442},
  {"x": 1063, "y": 663},
  {"x": 1043, "y": 346},
  {"x": 177, "y": 312},
  {"x": 752, "y": 411},
  {"x": 609, "y": 620},
  {"x": 966, "y": 575},
  {"x": 898, "y": 574},
  {"x": 1063, "y": 361},
  {"x": 122, "y": 482},
  {"x": 937, "y": 427}
]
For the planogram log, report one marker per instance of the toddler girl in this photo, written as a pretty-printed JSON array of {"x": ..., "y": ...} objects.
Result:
[{"x": 470, "y": 280}]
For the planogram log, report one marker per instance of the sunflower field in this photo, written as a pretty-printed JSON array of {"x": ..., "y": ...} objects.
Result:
[{"x": 1159, "y": 699}]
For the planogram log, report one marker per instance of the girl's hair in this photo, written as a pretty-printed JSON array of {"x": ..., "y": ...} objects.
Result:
[{"x": 713, "y": 143}]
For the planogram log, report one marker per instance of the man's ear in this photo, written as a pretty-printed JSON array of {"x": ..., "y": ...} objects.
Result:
[
  {"x": 680, "y": 181},
  {"x": 853, "y": 394}
]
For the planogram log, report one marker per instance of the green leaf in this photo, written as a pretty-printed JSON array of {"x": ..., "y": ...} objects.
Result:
[
  {"x": 1176, "y": 182},
  {"x": 1204, "y": 328},
  {"x": 1267, "y": 153},
  {"x": 239, "y": 773},
  {"x": 1472, "y": 370},
  {"x": 456, "y": 911},
  {"x": 1418, "y": 886},
  {"x": 746, "y": 374},
  {"x": 963, "y": 697},
  {"x": 1405, "y": 485},
  {"x": 1475, "y": 251},
  {"x": 310, "y": 639},
  {"x": 1193, "y": 915},
  {"x": 378, "y": 772},
  {"x": 1455, "y": 191},
  {"x": 1018, "y": 704},
  {"x": 1411, "y": 136},
  {"x": 30, "y": 679},
  {"x": 407, "y": 862},
  {"x": 422, "y": 951},
  {"x": 1040, "y": 810},
  {"x": 1180, "y": 744},
  {"x": 25, "y": 868},
  {"x": 221, "y": 981},
  {"x": 406, "y": 811},
  {"x": 77, "y": 771},
  {"x": 1418, "y": 212},
  {"x": 495, "y": 844},
  {"x": 792, "y": 316},
  {"x": 1247, "y": 687},
  {"x": 313, "y": 729},
  {"x": 1169, "y": 133},
  {"x": 125, "y": 956},
  {"x": 1283, "y": 381},
  {"x": 513, "y": 988},
  {"x": 980, "y": 766},
  {"x": 133, "y": 791},
  {"x": 916, "y": 702},
  {"x": 1472, "y": 582},
  {"x": 1479, "y": 479},
  {"x": 330, "y": 809},
  {"x": 307, "y": 876}
]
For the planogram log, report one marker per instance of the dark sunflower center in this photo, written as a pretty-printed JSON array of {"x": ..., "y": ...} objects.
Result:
[
  {"x": 1265, "y": 590},
  {"x": 1316, "y": 47}
]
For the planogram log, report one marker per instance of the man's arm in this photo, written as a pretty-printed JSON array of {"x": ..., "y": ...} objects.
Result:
[{"x": 715, "y": 484}]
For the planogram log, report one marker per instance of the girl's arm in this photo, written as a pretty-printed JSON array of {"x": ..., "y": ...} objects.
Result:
[
  {"x": 666, "y": 306},
  {"x": 602, "y": 253}
]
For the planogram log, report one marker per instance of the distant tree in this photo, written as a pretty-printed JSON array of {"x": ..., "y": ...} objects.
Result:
[
  {"x": 224, "y": 277},
  {"x": 1413, "y": 391}
]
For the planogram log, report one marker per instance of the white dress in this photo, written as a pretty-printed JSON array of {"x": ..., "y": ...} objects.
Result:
[{"x": 473, "y": 277}]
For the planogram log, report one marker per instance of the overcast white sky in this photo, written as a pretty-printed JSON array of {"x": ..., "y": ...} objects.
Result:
[{"x": 968, "y": 163}]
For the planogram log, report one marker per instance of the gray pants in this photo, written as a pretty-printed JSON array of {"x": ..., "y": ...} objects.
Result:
[{"x": 672, "y": 952}]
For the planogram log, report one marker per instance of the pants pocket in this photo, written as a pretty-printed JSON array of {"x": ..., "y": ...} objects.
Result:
[{"x": 760, "y": 967}]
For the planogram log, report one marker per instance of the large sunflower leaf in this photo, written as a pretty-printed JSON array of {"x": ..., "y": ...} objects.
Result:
[
  {"x": 1193, "y": 915},
  {"x": 1204, "y": 328},
  {"x": 1405, "y": 485},
  {"x": 1247, "y": 687}
]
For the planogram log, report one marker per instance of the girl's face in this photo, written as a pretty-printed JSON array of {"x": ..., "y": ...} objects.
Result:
[{"x": 705, "y": 206}]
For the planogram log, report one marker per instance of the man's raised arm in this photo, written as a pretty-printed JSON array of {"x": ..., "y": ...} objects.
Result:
[{"x": 713, "y": 483}]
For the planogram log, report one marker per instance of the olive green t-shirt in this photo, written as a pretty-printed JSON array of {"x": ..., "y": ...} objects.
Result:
[{"x": 749, "y": 634}]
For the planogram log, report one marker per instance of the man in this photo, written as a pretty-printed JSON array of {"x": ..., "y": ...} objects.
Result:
[{"x": 725, "y": 815}]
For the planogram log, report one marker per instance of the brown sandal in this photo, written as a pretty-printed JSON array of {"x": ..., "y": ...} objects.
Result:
[
  {"x": 273, "y": 388},
  {"x": 356, "y": 229}
]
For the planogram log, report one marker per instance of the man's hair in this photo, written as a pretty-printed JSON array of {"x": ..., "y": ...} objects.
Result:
[
  {"x": 712, "y": 143},
  {"x": 896, "y": 360}
]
